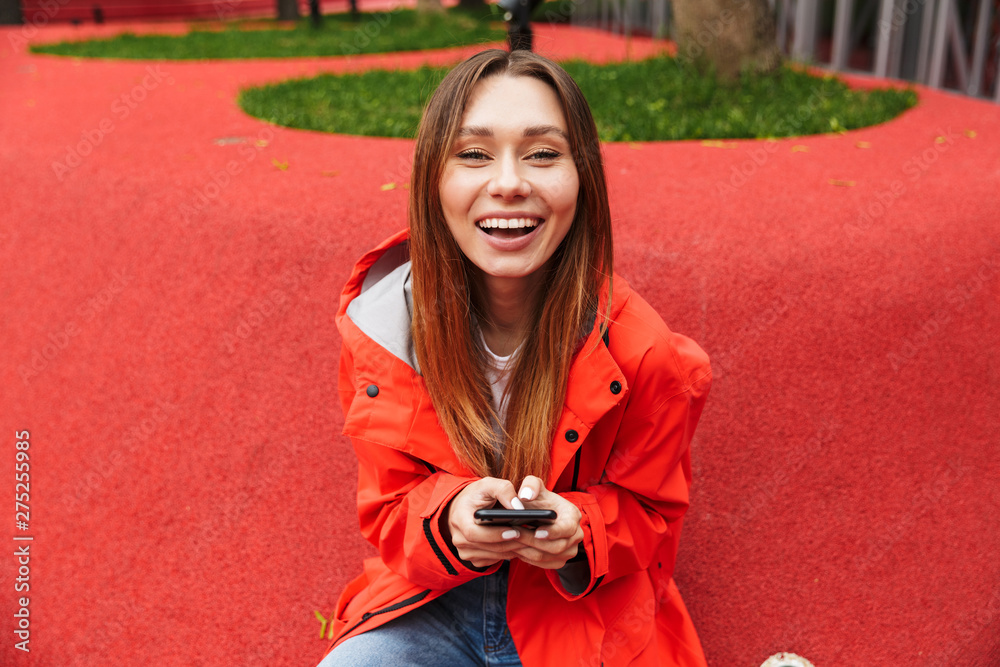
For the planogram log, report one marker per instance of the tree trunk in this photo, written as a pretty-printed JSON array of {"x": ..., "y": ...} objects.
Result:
[
  {"x": 288, "y": 10},
  {"x": 10, "y": 12},
  {"x": 727, "y": 35},
  {"x": 429, "y": 6}
]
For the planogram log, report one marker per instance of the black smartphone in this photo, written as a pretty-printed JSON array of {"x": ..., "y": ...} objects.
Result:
[{"x": 506, "y": 517}]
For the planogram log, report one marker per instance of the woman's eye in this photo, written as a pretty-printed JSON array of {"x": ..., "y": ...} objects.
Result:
[
  {"x": 545, "y": 154},
  {"x": 472, "y": 154}
]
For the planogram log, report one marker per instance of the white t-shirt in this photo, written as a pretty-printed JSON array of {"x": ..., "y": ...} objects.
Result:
[{"x": 497, "y": 372}]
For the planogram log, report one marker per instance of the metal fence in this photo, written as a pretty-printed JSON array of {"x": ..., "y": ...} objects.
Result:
[{"x": 952, "y": 44}]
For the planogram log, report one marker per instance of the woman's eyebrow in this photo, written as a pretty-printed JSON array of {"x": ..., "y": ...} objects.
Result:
[
  {"x": 475, "y": 131},
  {"x": 532, "y": 131},
  {"x": 539, "y": 130}
]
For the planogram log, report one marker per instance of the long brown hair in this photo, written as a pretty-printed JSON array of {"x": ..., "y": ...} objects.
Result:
[{"x": 446, "y": 302}]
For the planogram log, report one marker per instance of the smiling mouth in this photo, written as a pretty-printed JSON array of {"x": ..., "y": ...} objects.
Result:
[{"x": 509, "y": 227}]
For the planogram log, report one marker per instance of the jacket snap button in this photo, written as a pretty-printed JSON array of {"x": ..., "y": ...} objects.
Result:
[
  {"x": 372, "y": 391},
  {"x": 616, "y": 387},
  {"x": 572, "y": 436}
]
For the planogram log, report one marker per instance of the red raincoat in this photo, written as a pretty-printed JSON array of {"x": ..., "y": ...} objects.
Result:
[{"x": 621, "y": 454}]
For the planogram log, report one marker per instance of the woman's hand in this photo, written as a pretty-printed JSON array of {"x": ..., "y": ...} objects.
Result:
[
  {"x": 482, "y": 545},
  {"x": 551, "y": 546},
  {"x": 548, "y": 547}
]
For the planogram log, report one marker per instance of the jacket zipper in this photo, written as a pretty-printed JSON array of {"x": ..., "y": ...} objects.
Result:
[{"x": 393, "y": 607}]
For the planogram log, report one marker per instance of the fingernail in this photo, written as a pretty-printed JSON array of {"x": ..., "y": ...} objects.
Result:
[
  {"x": 541, "y": 533},
  {"x": 517, "y": 504},
  {"x": 509, "y": 534},
  {"x": 526, "y": 493}
]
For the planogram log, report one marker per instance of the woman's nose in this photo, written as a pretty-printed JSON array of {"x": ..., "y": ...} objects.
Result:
[{"x": 508, "y": 179}]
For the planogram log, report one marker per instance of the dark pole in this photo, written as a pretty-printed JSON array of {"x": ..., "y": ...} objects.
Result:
[
  {"x": 314, "y": 14},
  {"x": 10, "y": 12},
  {"x": 519, "y": 35},
  {"x": 288, "y": 10}
]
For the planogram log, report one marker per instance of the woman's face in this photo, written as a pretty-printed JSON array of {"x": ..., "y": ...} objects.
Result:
[{"x": 509, "y": 186}]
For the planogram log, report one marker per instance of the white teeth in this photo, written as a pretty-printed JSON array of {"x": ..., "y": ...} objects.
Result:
[{"x": 508, "y": 223}]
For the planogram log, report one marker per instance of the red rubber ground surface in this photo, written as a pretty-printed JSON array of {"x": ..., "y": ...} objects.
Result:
[{"x": 167, "y": 329}]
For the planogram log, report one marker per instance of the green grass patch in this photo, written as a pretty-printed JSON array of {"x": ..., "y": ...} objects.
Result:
[
  {"x": 652, "y": 100},
  {"x": 376, "y": 103},
  {"x": 340, "y": 35}
]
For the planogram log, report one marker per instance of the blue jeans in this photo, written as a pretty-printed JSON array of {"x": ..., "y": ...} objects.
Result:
[{"x": 465, "y": 626}]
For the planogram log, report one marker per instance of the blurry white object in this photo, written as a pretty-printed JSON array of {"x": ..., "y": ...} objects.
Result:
[{"x": 786, "y": 660}]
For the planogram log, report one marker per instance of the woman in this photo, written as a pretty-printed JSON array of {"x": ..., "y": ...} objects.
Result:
[{"x": 490, "y": 358}]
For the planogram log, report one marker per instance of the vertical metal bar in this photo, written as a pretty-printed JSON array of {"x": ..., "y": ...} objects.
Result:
[
  {"x": 979, "y": 48},
  {"x": 783, "y": 26},
  {"x": 657, "y": 17},
  {"x": 842, "y": 34},
  {"x": 926, "y": 43},
  {"x": 885, "y": 31},
  {"x": 899, "y": 20},
  {"x": 936, "y": 75},
  {"x": 804, "y": 45},
  {"x": 996, "y": 82},
  {"x": 867, "y": 12},
  {"x": 959, "y": 51}
]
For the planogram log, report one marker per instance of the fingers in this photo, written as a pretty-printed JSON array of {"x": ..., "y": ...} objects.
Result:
[
  {"x": 487, "y": 545},
  {"x": 568, "y": 515},
  {"x": 489, "y": 490},
  {"x": 482, "y": 545},
  {"x": 548, "y": 555},
  {"x": 545, "y": 541},
  {"x": 477, "y": 553},
  {"x": 486, "y": 559},
  {"x": 546, "y": 547},
  {"x": 550, "y": 546},
  {"x": 531, "y": 488},
  {"x": 488, "y": 538},
  {"x": 481, "y": 494}
]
